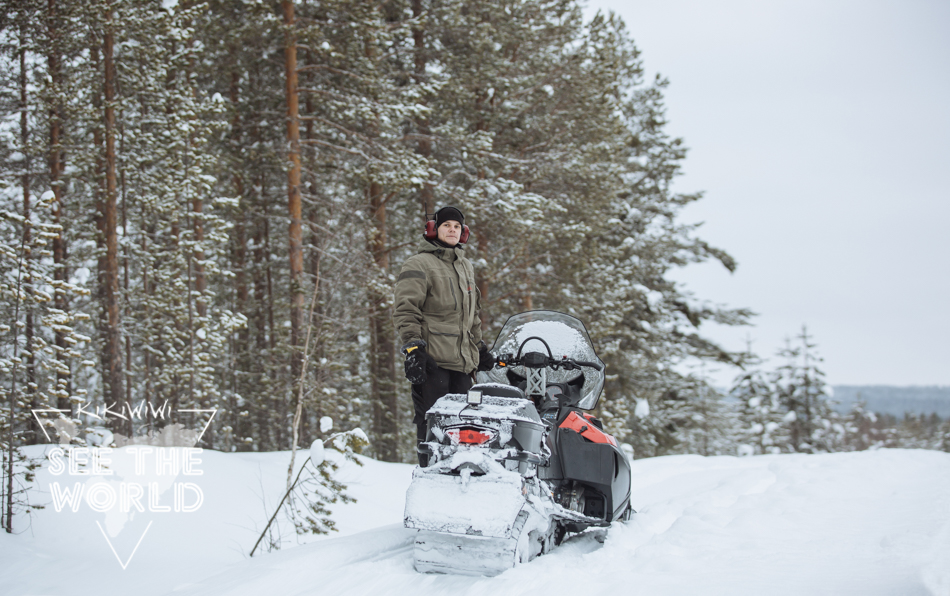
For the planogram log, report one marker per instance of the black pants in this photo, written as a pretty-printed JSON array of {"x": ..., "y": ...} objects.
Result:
[{"x": 439, "y": 382}]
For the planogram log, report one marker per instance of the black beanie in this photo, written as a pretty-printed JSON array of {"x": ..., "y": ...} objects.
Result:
[{"x": 448, "y": 214}]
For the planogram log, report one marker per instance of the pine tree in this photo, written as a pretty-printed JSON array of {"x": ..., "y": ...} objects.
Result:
[
  {"x": 171, "y": 124},
  {"x": 38, "y": 335},
  {"x": 865, "y": 430},
  {"x": 813, "y": 426},
  {"x": 760, "y": 413}
]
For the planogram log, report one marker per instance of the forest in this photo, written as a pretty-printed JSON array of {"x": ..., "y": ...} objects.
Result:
[{"x": 204, "y": 205}]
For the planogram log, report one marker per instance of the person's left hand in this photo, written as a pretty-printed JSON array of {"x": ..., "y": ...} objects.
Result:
[{"x": 485, "y": 359}]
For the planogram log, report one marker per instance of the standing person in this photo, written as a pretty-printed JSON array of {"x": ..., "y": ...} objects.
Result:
[{"x": 436, "y": 317}]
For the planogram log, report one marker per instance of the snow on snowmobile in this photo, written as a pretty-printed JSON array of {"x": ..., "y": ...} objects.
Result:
[{"x": 517, "y": 463}]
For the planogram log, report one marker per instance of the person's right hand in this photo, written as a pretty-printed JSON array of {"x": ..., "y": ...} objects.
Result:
[{"x": 415, "y": 352}]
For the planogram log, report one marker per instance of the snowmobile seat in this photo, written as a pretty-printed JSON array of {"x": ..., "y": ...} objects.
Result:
[{"x": 498, "y": 390}]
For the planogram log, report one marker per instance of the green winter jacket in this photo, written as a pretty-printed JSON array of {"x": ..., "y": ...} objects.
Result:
[{"x": 437, "y": 301}]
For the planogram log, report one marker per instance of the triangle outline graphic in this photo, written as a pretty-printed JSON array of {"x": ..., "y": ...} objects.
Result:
[
  {"x": 37, "y": 411},
  {"x": 126, "y": 564},
  {"x": 207, "y": 424}
]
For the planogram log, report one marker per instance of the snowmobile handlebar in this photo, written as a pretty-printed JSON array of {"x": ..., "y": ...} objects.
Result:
[{"x": 540, "y": 360}]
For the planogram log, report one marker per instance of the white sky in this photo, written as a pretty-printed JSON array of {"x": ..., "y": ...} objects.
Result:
[{"x": 820, "y": 133}]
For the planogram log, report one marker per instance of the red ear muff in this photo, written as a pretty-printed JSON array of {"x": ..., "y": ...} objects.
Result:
[{"x": 431, "y": 233}]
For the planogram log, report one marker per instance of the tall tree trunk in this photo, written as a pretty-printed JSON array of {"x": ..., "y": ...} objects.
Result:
[
  {"x": 261, "y": 365},
  {"x": 201, "y": 284},
  {"x": 386, "y": 412},
  {"x": 278, "y": 407},
  {"x": 174, "y": 387},
  {"x": 31, "y": 388},
  {"x": 147, "y": 232},
  {"x": 240, "y": 350},
  {"x": 382, "y": 347},
  {"x": 109, "y": 263},
  {"x": 130, "y": 423},
  {"x": 294, "y": 204},
  {"x": 57, "y": 165},
  {"x": 240, "y": 237},
  {"x": 316, "y": 254},
  {"x": 424, "y": 146},
  {"x": 95, "y": 58}
]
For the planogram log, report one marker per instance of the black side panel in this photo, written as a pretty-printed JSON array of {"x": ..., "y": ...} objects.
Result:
[
  {"x": 590, "y": 463},
  {"x": 600, "y": 466}
]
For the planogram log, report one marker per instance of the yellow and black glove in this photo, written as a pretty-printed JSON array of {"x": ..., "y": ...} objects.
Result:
[{"x": 415, "y": 352}]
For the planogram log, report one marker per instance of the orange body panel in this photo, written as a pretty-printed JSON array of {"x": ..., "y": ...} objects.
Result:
[{"x": 585, "y": 428}]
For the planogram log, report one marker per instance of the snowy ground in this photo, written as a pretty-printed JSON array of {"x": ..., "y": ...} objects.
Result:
[{"x": 855, "y": 523}]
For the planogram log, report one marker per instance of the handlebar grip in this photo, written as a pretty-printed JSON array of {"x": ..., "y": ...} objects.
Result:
[{"x": 590, "y": 364}]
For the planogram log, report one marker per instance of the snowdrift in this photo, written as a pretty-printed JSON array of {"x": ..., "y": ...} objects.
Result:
[{"x": 850, "y": 523}]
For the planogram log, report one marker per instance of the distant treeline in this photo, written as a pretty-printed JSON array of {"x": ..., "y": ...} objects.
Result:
[{"x": 897, "y": 401}]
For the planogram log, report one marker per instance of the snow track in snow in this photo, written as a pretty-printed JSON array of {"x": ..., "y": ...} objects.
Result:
[
  {"x": 860, "y": 523},
  {"x": 869, "y": 523}
]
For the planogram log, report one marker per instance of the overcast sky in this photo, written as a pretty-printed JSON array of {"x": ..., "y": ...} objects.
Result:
[{"x": 820, "y": 134}]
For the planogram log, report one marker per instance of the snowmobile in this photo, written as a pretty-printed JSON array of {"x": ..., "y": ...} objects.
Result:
[{"x": 517, "y": 463}]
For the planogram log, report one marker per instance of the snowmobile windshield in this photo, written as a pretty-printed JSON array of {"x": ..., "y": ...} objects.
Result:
[{"x": 566, "y": 336}]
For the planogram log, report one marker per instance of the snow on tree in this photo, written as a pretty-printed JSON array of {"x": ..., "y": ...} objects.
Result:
[
  {"x": 811, "y": 423},
  {"x": 171, "y": 122},
  {"x": 760, "y": 412}
]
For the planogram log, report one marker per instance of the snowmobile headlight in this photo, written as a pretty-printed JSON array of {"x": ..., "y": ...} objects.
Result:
[{"x": 469, "y": 436}]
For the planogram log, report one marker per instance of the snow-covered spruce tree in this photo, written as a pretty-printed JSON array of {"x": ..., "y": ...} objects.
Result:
[
  {"x": 18, "y": 391},
  {"x": 31, "y": 323},
  {"x": 538, "y": 126},
  {"x": 53, "y": 48},
  {"x": 493, "y": 123},
  {"x": 33, "y": 366},
  {"x": 35, "y": 287},
  {"x": 867, "y": 429},
  {"x": 174, "y": 226},
  {"x": 921, "y": 431},
  {"x": 644, "y": 322},
  {"x": 708, "y": 425},
  {"x": 541, "y": 130},
  {"x": 799, "y": 384},
  {"x": 243, "y": 62},
  {"x": 105, "y": 159},
  {"x": 945, "y": 436},
  {"x": 589, "y": 138},
  {"x": 354, "y": 107},
  {"x": 760, "y": 413},
  {"x": 32, "y": 362},
  {"x": 349, "y": 108}
]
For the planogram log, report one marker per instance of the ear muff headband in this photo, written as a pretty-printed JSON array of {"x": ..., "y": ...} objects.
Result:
[{"x": 431, "y": 233}]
